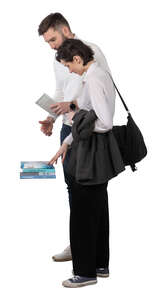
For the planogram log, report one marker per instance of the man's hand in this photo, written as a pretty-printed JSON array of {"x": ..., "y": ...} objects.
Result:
[
  {"x": 60, "y": 107},
  {"x": 47, "y": 126},
  {"x": 61, "y": 152}
]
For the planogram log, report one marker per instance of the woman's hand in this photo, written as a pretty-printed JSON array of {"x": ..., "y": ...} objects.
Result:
[{"x": 61, "y": 152}]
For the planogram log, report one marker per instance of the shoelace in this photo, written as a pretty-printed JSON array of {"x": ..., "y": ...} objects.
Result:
[{"x": 76, "y": 278}]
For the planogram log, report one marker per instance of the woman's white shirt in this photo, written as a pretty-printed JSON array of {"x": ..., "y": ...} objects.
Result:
[{"x": 98, "y": 93}]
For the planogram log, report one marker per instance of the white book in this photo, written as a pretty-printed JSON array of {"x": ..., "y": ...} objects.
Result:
[{"x": 45, "y": 102}]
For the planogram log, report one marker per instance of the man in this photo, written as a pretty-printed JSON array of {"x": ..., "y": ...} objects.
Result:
[{"x": 55, "y": 30}]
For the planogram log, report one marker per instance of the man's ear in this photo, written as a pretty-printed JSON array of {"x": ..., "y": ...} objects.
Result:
[{"x": 65, "y": 30}]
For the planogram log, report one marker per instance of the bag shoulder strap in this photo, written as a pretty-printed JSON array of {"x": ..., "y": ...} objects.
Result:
[
  {"x": 118, "y": 92},
  {"x": 133, "y": 166}
]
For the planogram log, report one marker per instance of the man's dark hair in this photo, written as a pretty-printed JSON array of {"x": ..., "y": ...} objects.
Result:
[
  {"x": 55, "y": 21},
  {"x": 72, "y": 47}
]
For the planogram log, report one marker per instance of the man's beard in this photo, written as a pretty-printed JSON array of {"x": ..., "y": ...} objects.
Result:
[{"x": 63, "y": 39}]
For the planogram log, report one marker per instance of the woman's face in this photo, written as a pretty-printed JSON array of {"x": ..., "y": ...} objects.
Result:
[{"x": 75, "y": 66}]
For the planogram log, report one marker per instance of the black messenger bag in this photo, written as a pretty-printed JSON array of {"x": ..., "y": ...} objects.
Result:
[{"x": 130, "y": 139}]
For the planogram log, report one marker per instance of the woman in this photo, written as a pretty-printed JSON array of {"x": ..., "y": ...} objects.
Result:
[{"x": 95, "y": 159}]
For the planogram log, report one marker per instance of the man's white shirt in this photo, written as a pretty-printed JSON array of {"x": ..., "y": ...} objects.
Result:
[{"x": 69, "y": 86}]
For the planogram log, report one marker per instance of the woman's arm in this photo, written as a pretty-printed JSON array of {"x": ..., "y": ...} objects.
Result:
[
  {"x": 103, "y": 104},
  {"x": 61, "y": 152}
]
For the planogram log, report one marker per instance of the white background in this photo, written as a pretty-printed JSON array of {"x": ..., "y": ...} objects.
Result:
[{"x": 34, "y": 214}]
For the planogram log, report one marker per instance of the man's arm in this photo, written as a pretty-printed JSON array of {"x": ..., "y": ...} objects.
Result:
[
  {"x": 100, "y": 58},
  {"x": 47, "y": 124},
  {"x": 58, "y": 95},
  {"x": 63, "y": 107},
  {"x": 71, "y": 88}
]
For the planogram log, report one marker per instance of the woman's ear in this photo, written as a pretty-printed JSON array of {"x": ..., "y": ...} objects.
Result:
[{"x": 77, "y": 59}]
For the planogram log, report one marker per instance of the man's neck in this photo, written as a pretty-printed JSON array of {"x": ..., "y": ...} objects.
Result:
[{"x": 71, "y": 36}]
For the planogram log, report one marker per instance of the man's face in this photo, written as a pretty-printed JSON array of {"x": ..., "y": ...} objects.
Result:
[{"x": 54, "y": 38}]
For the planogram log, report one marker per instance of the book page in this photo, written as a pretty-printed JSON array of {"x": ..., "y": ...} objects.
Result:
[{"x": 45, "y": 102}]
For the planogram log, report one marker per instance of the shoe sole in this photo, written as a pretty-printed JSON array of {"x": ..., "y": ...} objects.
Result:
[
  {"x": 80, "y": 284},
  {"x": 98, "y": 275},
  {"x": 61, "y": 259},
  {"x": 102, "y": 275}
]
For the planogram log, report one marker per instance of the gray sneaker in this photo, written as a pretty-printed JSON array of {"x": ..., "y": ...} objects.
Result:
[
  {"x": 79, "y": 281},
  {"x": 102, "y": 272},
  {"x": 63, "y": 256}
]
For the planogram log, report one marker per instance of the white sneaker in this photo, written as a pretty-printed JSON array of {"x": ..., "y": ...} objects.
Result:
[{"x": 63, "y": 256}]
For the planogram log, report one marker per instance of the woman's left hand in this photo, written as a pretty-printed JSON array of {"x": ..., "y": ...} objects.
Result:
[{"x": 61, "y": 152}]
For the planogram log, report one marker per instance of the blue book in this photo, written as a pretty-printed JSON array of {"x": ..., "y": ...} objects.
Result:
[
  {"x": 35, "y": 176},
  {"x": 26, "y": 170},
  {"x": 35, "y": 165}
]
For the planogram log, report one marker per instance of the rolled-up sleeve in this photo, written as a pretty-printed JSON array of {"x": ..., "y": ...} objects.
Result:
[{"x": 69, "y": 139}]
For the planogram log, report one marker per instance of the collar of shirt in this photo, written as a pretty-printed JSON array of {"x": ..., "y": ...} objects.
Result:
[
  {"x": 75, "y": 36},
  {"x": 90, "y": 70}
]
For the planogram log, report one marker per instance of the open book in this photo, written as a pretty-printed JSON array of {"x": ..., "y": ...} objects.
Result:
[{"x": 45, "y": 102}]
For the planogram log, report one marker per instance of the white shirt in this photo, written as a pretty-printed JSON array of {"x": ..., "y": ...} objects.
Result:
[
  {"x": 97, "y": 94},
  {"x": 69, "y": 85}
]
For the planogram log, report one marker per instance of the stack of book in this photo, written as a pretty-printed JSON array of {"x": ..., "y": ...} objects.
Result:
[{"x": 36, "y": 169}]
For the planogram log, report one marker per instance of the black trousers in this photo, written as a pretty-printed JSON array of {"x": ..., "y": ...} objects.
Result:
[{"x": 89, "y": 228}]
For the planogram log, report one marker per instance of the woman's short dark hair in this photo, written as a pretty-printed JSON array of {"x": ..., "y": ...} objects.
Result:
[
  {"x": 72, "y": 47},
  {"x": 53, "y": 20}
]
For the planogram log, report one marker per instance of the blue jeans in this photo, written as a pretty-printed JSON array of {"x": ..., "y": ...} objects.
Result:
[{"x": 65, "y": 131}]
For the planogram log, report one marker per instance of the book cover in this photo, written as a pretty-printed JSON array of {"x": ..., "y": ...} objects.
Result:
[
  {"x": 37, "y": 173},
  {"x": 26, "y": 170},
  {"x": 31, "y": 176},
  {"x": 36, "y": 165}
]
